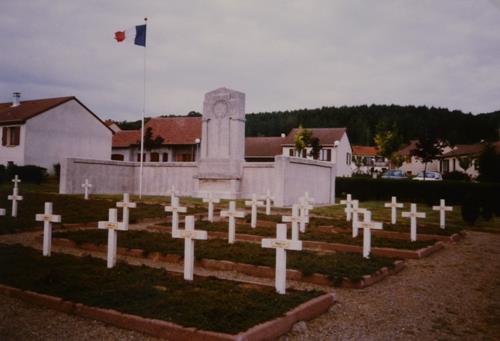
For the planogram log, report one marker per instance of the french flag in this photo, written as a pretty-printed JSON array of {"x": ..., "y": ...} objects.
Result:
[{"x": 136, "y": 34}]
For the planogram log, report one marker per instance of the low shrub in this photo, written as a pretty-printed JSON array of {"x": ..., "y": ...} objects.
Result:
[
  {"x": 28, "y": 173},
  {"x": 456, "y": 176},
  {"x": 471, "y": 210}
]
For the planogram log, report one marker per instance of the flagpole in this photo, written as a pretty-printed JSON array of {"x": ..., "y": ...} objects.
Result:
[{"x": 142, "y": 118}]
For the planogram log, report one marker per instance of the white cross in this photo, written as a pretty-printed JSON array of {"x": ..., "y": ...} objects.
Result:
[
  {"x": 2, "y": 211},
  {"x": 254, "y": 203},
  {"x": 211, "y": 201},
  {"x": 307, "y": 198},
  {"x": 15, "y": 197},
  {"x": 86, "y": 186},
  {"x": 232, "y": 214},
  {"x": 281, "y": 244},
  {"x": 295, "y": 219},
  {"x": 172, "y": 192},
  {"x": 355, "y": 211},
  {"x": 413, "y": 215},
  {"x": 394, "y": 205},
  {"x": 112, "y": 225},
  {"x": 304, "y": 208},
  {"x": 348, "y": 204},
  {"x": 126, "y": 204},
  {"x": 190, "y": 235},
  {"x": 175, "y": 209},
  {"x": 16, "y": 180},
  {"x": 48, "y": 218},
  {"x": 442, "y": 208},
  {"x": 268, "y": 198},
  {"x": 367, "y": 225}
]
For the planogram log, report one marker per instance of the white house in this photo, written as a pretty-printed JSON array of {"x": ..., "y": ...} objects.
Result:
[
  {"x": 43, "y": 132},
  {"x": 412, "y": 165},
  {"x": 181, "y": 140},
  {"x": 468, "y": 154},
  {"x": 365, "y": 160},
  {"x": 335, "y": 144}
]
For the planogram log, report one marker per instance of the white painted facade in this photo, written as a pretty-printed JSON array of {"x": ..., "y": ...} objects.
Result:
[
  {"x": 65, "y": 131},
  {"x": 340, "y": 155}
]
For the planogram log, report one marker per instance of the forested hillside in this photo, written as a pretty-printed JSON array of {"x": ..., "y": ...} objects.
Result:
[{"x": 364, "y": 121}]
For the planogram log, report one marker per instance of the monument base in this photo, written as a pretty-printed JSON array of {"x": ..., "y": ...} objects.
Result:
[{"x": 222, "y": 178}]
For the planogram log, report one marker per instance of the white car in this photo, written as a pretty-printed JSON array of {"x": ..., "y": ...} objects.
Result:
[{"x": 429, "y": 176}]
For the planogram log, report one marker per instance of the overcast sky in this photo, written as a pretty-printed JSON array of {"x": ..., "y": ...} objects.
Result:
[{"x": 282, "y": 54}]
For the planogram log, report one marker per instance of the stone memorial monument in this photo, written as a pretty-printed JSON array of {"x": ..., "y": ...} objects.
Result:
[{"x": 222, "y": 144}]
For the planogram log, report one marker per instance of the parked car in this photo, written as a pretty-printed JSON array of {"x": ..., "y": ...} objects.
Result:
[
  {"x": 429, "y": 176},
  {"x": 394, "y": 174}
]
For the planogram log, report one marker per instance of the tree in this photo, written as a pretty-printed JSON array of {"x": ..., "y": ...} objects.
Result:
[
  {"x": 302, "y": 139},
  {"x": 315, "y": 147},
  {"x": 464, "y": 162},
  {"x": 388, "y": 142},
  {"x": 428, "y": 149},
  {"x": 150, "y": 142},
  {"x": 489, "y": 164}
]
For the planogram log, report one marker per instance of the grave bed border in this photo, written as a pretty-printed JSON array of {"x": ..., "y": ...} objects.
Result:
[
  {"x": 163, "y": 329},
  {"x": 313, "y": 245},
  {"x": 259, "y": 271}
]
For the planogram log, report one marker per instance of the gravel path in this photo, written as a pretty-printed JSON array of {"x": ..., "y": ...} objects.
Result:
[{"x": 452, "y": 295}]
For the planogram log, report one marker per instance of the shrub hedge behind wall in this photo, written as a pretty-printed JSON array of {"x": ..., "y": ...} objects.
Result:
[{"x": 429, "y": 192}]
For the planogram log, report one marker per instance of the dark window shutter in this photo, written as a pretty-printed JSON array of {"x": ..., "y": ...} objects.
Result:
[
  {"x": 16, "y": 135},
  {"x": 328, "y": 155},
  {"x": 4, "y": 136}
]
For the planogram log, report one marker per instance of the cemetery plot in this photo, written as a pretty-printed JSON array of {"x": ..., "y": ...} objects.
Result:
[
  {"x": 335, "y": 216},
  {"x": 346, "y": 269},
  {"x": 316, "y": 234},
  {"x": 74, "y": 210},
  {"x": 206, "y": 304}
]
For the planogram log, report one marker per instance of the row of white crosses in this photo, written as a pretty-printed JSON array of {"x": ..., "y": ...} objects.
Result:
[
  {"x": 352, "y": 210},
  {"x": 113, "y": 225},
  {"x": 14, "y": 197}
]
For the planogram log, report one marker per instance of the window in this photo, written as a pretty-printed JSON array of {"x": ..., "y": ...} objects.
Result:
[
  {"x": 304, "y": 153},
  {"x": 445, "y": 166},
  {"x": 11, "y": 136},
  {"x": 139, "y": 157},
  {"x": 165, "y": 157},
  {"x": 328, "y": 155},
  {"x": 348, "y": 158},
  {"x": 454, "y": 166},
  {"x": 290, "y": 152},
  {"x": 154, "y": 157},
  {"x": 117, "y": 157}
]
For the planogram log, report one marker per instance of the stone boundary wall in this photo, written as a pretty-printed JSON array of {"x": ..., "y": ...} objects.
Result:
[
  {"x": 116, "y": 177},
  {"x": 288, "y": 178}
]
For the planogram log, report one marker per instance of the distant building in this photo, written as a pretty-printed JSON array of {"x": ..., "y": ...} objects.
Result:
[
  {"x": 263, "y": 149},
  {"x": 335, "y": 144},
  {"x": 181, "y": 137},
  {"x": 365, "y": 160},
  {"x": 412, "y": 165},
  {"x": 43, "y": 132},
  {"x": 468, "y": 153}
]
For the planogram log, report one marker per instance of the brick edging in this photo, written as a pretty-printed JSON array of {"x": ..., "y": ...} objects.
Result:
[
  {"x": 244, "y": 268},
  {"x": 168, "y": 330}
]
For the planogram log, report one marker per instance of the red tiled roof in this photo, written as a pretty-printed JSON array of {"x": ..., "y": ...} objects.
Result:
[
  {"x": 263, "y": 146},
  {"x": 28, "y": 109},
  {"x": 364, "y": 150},
  {"x": 470, "y": 149},
  {"x": 176, "y": 130},
  {"x": 126, "y": 138},
  {"x": 407, "y": 150},
  {"x": 327, "y": 136},
  {"x": 173, "y": 130}
]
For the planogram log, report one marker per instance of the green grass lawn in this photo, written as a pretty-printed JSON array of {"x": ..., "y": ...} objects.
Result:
[
  {"x": 335, "y": 266},
  {"x": 206, "y": 303}
]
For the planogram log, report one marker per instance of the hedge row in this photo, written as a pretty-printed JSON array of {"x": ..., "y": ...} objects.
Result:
[
  {"x": 29, "y": 173},
  {"x": 429, "y": 192}
]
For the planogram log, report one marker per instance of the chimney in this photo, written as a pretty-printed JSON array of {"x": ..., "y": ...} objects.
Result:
[{"x": 16, "y": 98}]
